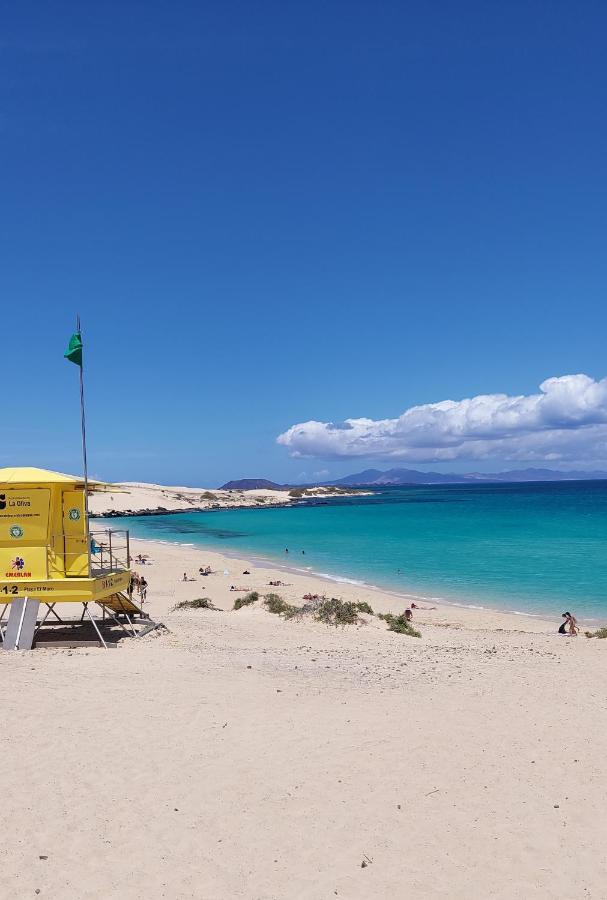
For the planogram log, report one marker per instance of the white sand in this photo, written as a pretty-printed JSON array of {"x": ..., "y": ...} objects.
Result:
[{"x": 242, "y": 756}]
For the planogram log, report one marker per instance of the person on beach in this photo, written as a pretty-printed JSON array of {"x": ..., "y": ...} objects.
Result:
[
  {"x": 408, "y": 615},
  {"x": 143, "y": 588},
  {"x": 415, "y": 606},
  {"x": 569, "y": 626},
  {"x": 185, "y": 576}
]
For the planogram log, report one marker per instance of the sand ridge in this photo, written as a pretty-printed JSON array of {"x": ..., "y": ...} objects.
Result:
[{"x": 141, "y": 498}]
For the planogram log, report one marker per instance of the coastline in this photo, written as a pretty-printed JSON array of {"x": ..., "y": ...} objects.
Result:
[
  {"x": 306, "y": 580},
  {"x": 403, "y": 595}
]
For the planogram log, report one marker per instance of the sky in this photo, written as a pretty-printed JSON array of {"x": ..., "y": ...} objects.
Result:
[{"x": 294, "y": 232}]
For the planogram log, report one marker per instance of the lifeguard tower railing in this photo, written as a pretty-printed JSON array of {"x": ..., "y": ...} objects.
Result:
[
  {"x": 106, "y": 552},
  {"x": 110, "y": 551}
]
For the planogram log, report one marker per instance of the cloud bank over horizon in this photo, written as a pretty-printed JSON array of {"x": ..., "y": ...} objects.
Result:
[{"x": 565, "y": 422}]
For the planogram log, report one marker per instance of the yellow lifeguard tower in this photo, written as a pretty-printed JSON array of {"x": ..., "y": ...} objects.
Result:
[{"x": 48, "y": 552}]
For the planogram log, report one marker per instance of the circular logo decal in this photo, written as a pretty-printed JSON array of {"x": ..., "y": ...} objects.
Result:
[
  {"x": 16, "y": 531},
  {"x": 74, "y": 514}
]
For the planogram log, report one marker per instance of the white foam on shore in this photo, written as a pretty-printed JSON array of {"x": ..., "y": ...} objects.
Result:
[{"x": 341, "y": 579}]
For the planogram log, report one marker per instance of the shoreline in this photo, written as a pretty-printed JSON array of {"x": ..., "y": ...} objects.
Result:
[
  {"x": 466, "y": 614},
  {"x": 405, "y": 595},
  {"x": 536, "y": 595}
]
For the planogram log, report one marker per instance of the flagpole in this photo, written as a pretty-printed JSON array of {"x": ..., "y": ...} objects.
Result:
[{"x": 84, "y": 459}]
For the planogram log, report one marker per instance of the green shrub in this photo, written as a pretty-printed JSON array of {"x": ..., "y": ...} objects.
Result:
[
  {"x": 275, "y": 604},
  {"x": 200, "y": 603},
  {"x": 337, "y": 612},
  {"x": 364, "y": 607},
  {"x": 601, "y": 633},
  {"x": 297, "y": 493},
  {"x": 208, "y": 495},
  {"x": 251, "y": 597},
  {"x": 399, "y": 624}
]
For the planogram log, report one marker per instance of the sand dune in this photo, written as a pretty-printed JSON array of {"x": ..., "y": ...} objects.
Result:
[{"x": 139, "y": 497}]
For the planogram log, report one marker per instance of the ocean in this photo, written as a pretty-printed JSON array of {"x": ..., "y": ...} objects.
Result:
[{"x": 532, "y": 548}]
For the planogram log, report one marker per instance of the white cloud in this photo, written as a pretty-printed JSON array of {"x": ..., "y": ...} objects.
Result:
[{"x": 566, "y": 421}]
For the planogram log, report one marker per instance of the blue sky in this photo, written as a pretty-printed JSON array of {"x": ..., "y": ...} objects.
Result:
[{"x": 273, "y": 213}]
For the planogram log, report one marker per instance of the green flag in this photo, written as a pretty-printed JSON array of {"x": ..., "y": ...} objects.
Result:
[{"x": 74, "y": 349}]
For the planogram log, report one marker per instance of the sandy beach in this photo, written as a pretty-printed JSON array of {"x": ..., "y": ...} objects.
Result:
[{"x": 238, "y": 755}]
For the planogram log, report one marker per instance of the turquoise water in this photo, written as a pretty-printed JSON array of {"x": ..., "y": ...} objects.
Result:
[{"x": 536, "y": 548}]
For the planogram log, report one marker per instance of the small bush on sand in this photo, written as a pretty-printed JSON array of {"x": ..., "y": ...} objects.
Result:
[
  {"x": 297, "y": 493},
  {"x": 200, "y": 603},
  {"x": 275, "y": 604},
  {"x": 364, "y": 607},
  {"x": 251, "y": 597},
  {"x": 601, "y": 633},
  {"x": 208, "y": 495},
  {"x": 338, "y": 612},
  {"x": 399, "y": 624}
]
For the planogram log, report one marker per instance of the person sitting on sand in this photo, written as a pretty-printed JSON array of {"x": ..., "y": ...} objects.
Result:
[
  {"x": 408, "y": 615},
  {"x": 246, "y": 572},
  {"x": 570, "y": 625},
  {"x": 415, "y": 606}
]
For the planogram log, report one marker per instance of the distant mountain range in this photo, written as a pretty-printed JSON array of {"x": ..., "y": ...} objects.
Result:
[
  {"x": 377, "y": 477},
  {"x": 412, "y": 476}
]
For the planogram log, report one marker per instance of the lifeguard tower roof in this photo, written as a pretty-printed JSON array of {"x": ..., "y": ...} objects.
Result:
[{"x": 31, "y": 475}]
